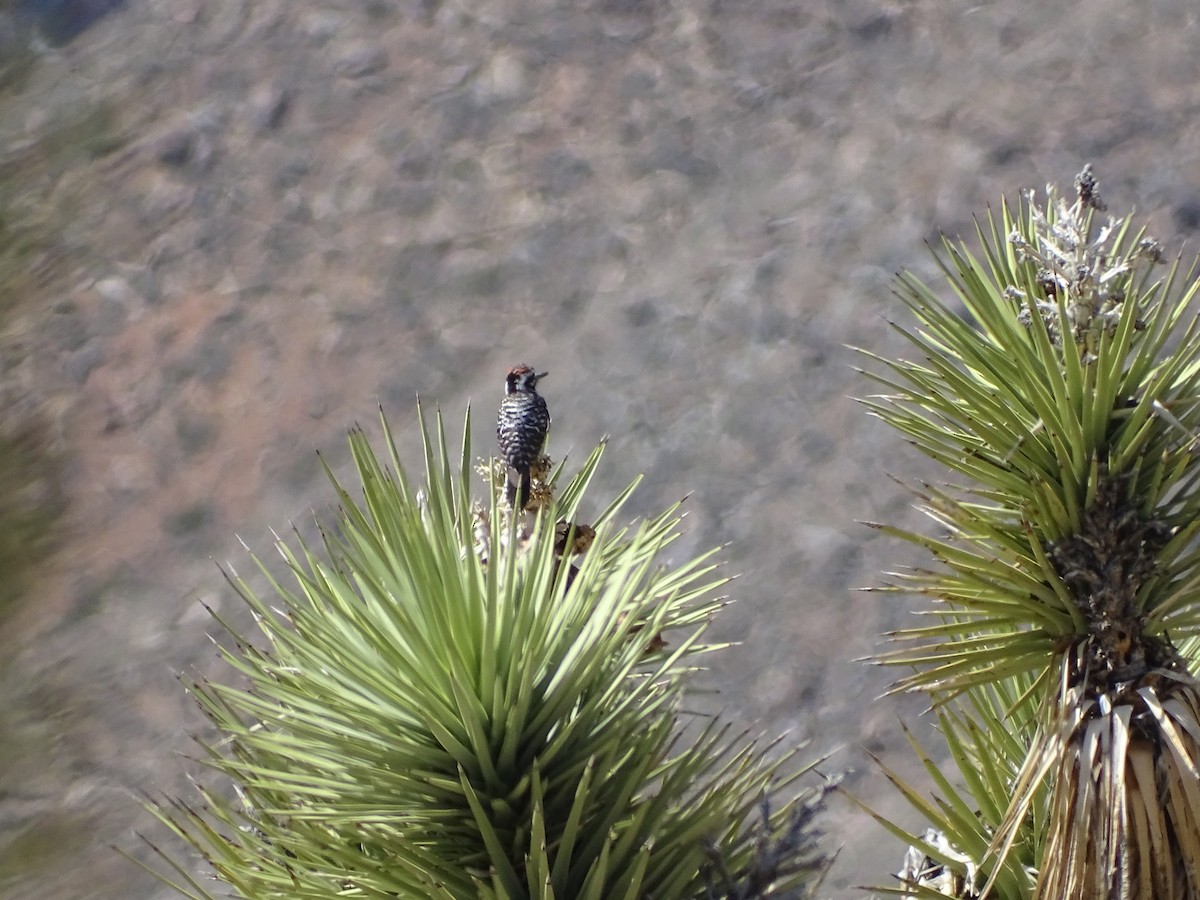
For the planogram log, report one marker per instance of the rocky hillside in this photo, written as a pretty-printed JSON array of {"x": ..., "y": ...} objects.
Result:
[{"x": 230, "y": 230}]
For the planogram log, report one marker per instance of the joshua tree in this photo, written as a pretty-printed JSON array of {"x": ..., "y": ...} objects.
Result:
[
  {"x": 459, "y": 701},
  {"x": 1059, "y": 380}
]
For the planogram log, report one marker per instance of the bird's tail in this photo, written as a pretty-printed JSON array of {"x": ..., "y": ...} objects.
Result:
[{"x": 516, "y": 489}]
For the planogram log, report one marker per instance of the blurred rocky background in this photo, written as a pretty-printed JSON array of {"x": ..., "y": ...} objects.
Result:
[{"x": 230, "y": 230}]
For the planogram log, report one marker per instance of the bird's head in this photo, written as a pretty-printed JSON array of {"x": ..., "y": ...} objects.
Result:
[{"x": 522, "y": 379}]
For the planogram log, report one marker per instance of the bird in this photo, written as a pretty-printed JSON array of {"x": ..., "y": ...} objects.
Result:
[{"x": 521, "y": 427}]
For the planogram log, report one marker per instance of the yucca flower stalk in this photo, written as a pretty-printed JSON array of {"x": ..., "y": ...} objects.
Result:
[
  {"x": 455, "y": 702},
  {"x": 1059, "y": 379}
]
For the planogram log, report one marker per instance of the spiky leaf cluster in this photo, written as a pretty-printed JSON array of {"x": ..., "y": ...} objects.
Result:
[
  {"x": 1062, "y": 385},
  {"x": 420, "y": 719},
  {"x": 1079, "y": 456}
]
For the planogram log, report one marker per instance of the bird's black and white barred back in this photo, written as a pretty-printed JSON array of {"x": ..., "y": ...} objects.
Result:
[{"x": 521, "y": 428}]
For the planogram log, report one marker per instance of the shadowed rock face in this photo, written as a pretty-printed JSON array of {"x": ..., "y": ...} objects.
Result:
[{"x": 61, "y": 21}]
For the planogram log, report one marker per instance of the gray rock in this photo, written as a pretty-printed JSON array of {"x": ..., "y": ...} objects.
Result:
[
  {"x": 413, "y": 159},
  {"x": 321, "y": 25},
  {"x": 190, "y": 521},
  {"x": 465, "y": 117},
  {"x": 268, "y": 106},
  {"x": 111, "y": 315},
  {"x": 209, "y": 360},
  {"x": 67, "y": 329},
  {"x": 410, "y": 200},
  {"x": 1187, "y": 213},
  {"x": 561, "y": 173},
  {"x": 175, "y": 147},
  {"x": 185, "y": 147},
  {"x": 144, "y": 284},
  {"x": 81, "y": 363},
  {"x": 290, "y": 173},
  {"x": 195, "y": 432},
  {"x": 643, "y": 312},
  {"x": 360, "y": 60},
  {"x": 627, "y": 20},
  {"x": 672, "y": 156}
]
